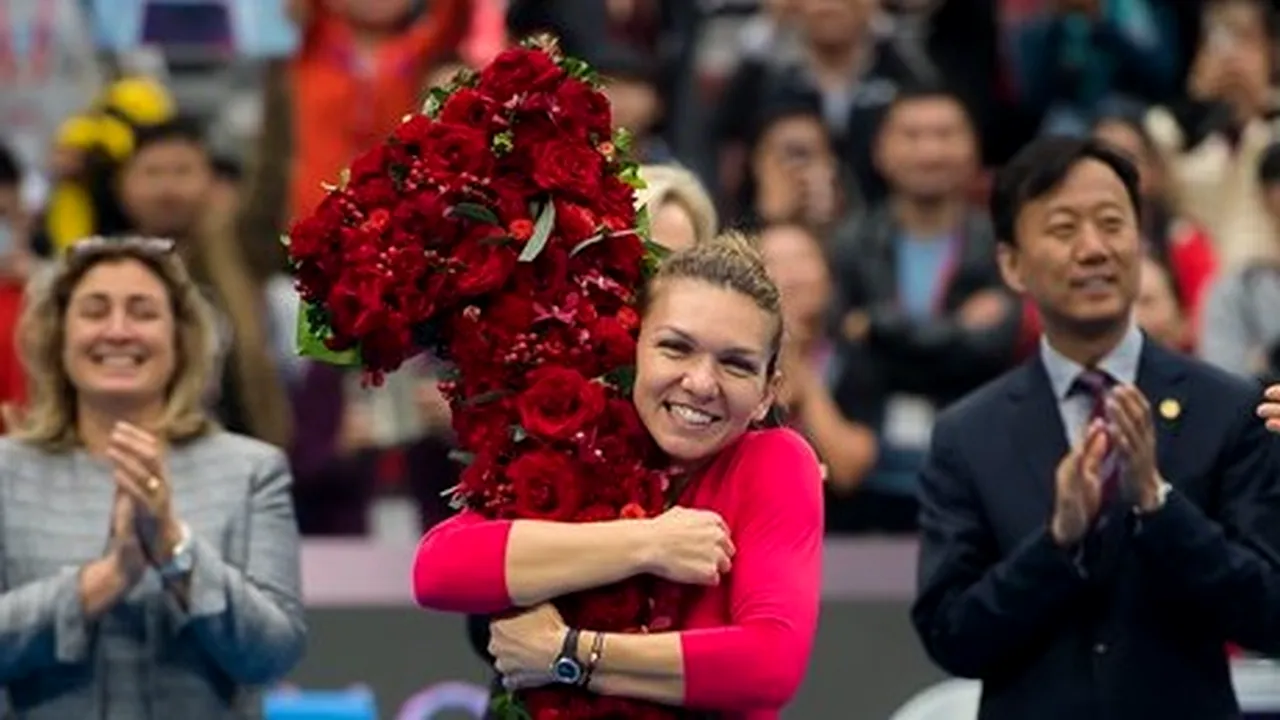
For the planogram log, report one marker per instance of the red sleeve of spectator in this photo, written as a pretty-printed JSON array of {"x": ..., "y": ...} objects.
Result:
[
  {"x": 460, "y": 565},
  {"x": 760, "y": 659}
]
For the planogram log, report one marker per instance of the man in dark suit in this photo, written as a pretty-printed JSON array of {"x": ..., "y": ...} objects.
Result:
[{"x": 1097, "y": 524}]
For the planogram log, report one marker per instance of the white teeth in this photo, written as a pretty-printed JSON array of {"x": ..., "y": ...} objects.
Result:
[
  {"x": 693, "y": 416},
  {"x": 119, "y": 361}
]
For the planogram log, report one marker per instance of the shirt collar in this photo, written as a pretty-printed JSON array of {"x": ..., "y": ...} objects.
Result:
[{"x": 1121, "y": 363}]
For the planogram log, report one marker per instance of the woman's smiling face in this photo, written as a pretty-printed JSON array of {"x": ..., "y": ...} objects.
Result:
[{"x": 704, "y": 367}]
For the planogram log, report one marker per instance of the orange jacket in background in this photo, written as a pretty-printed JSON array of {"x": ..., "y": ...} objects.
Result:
[{"x": 345, "y": 102}]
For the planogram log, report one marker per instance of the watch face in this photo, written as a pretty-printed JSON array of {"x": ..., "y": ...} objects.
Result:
[{"x": 567, "y": 671}]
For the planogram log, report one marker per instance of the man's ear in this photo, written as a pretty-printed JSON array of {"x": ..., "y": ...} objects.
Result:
[{"x": 1010, "y": 266}]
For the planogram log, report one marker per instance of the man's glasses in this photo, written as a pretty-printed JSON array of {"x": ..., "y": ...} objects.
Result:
[{"x": 137, "y": 243}]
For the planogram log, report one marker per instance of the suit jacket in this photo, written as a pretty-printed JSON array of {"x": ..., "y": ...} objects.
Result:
[
  {"x": 148, "y": 657},
  {"x": 1137, "y": 629}
]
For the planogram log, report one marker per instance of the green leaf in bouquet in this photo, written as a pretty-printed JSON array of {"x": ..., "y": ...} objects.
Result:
[
  {"x": 503, "y": 142},
  {"x": 623, "y": 378},
  {"x": 630, "y": 174},
  {"x": 474, "y": 211},
  {"x": 486, "y": 398},
  {"x": 506, "y": 707},
  {"x": 435, "y": 101},
  {"x": 586, "y": 244},
  {"x": 541, "y": 233},
  {"x": 462, "y": 457},
  {"x": 644, "y": 223},
  {"x": 313, "y": 330},
  {"x": 518, "y": 434},
  {"x": 623, "y": 141},
  {"x": 580, "y": 70}
]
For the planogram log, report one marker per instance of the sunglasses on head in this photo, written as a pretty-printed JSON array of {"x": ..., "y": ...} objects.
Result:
[{"x": 139, "y": 243}]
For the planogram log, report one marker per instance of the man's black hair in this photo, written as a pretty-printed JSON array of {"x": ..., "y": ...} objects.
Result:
[
  {"x": 180, "y": 129},
  {"x": 1041, "y": 167},
  {"x": 925, "y": 90},
  {"x": 10, "y": 169}
]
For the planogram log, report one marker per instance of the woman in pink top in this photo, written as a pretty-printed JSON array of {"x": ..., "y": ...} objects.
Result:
[{"x": 748, "y": 527}]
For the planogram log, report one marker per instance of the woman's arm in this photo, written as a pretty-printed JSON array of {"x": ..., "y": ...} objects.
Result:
[
  {"x": 850, "y": 449},
  {"x": 759, "y": 661},
  {"x": 470, "y": 564},
  {"x": 249, "y": 619},
  {"x": 47, "y": 622}
]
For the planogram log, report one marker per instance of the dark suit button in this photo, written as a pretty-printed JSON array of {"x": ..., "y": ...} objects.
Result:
[{"x": 1100, "y": 648}]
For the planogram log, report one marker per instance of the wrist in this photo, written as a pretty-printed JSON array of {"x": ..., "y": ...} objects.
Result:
[
  {"x": 1153, "y": 496},
  {"x": 644, "y": 543},
  {"x": 171, "y": 536}
]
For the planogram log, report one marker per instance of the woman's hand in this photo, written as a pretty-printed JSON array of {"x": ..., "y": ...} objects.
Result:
[
  {"x": 526, "y": 644},
  {"x": 140, "y": 473},
  {"x": 1269, "y": 410},
  {"x": 692, "y": 546}
]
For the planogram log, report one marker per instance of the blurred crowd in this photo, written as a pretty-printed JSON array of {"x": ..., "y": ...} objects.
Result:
[{"x": 854, "y": 137}]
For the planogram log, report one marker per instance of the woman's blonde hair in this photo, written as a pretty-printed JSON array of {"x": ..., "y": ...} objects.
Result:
[
  {"x": 674, "y": 184},
  {"x": 50, "y": 418},
  {"x": 731, "y": 261}
]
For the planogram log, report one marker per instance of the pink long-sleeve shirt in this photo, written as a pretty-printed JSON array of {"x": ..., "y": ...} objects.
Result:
[{"x": 747, "y": 641}]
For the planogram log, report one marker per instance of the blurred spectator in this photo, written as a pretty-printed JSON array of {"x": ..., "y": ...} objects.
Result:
[
  {"x": 841, "y": 65},
  {"x": 1158, "y": 310},
  {"x": 920, "y": 290},
  {"x": 173, "y": 593},
  {"x": 48, "y": 67},
  {"x": 336, "y": 477},
  {"x": 661, "y": 34},
  {"x": 1078, "y": 57},
  {"x": 361, "y": 67},
  {"x": 87, "y": 154},
  {"x": 681, "y": 212},
  {"x": 166, "y": 190},
  {"x": 1176, "y": 242},
  {"x": 794, "y": 174},
  {"x": 1241, "y": 330},
  {"x": 797, "y": 263},
  {"x": 630, "y": 83},
  {"x": 15, "y": 268},
  {"x": 1211, "y": 140}
]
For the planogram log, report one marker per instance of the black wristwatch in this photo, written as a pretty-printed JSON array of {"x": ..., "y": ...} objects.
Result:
[{"x": 567, "y": 669}]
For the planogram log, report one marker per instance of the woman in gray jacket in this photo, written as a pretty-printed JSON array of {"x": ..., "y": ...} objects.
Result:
[{"x": 149, "y": 562}]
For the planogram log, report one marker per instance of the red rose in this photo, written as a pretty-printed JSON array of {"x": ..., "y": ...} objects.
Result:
[
  {"x": 559, "y": 403},
  {"x": 519, "y": 70},
  {"x": 512, "y": 312},
  {"x": 449, "y": 150},
  {"x": 470, "y": 107},
  {"x": 613, "y": 343},
  {"x": 485, "y": 267},
  {"x": 583, "y": 111},
  {"x": 568, "y": 167},
  {"x": 547, "y": 485},
  {"x": 575, "y": 222}
]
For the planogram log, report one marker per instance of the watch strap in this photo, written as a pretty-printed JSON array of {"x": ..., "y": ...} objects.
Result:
[{"x": 177, "y": 564}]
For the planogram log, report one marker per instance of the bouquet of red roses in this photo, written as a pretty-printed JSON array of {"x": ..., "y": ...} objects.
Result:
[{"x": 497, "y": 231}]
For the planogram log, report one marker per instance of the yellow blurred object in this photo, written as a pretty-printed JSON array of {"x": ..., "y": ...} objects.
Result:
[
  {"x": 70, "y": 215},
  {"x": 77, "y": 131},
  {"x": 141, "y": 100}
]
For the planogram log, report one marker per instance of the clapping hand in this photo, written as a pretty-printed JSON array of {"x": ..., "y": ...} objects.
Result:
[
  {"x": 140, "y": 474},
  {"x": 1269, "y": 410},
  {"x": 1135, "y": 436},
  {"x": 525, "y": 644},
  {"x": 1078, "y": 486},
  {"x": 125, "y": 549}
]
